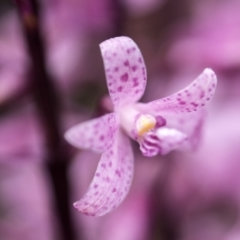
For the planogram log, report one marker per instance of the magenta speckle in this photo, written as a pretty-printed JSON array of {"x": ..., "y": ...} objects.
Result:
[
  {"x": 101, "y": 138},
  {"x": 194, "y": 104},
  {"x": 135, "y": 84},
  {"x": 118, "y": 173},
  {"x": 202, "y": 94},
  {"x": 126, "y": 63},
  {"x": 120, "y": 89},
  {"x": 134, "y": 68},
  {"x": 182, "y": 103},
  {"x": 124, "y": 77}
]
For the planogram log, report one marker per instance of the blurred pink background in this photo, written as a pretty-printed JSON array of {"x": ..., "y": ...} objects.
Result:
[{"x": 180, "y": 196}]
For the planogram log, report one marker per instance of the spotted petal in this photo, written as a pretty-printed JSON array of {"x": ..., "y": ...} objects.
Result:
[
  {"x": 94, "y": 134},
  {"x": 190, "y": 99},
  {"x": 112, "y": 179},
  {"x": 125, "y": 70}
]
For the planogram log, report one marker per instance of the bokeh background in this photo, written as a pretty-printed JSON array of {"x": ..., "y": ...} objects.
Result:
[{"x": 181, "y": 196}]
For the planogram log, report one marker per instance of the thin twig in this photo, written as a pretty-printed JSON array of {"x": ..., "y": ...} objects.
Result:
[{"x": 48, "y": 105}]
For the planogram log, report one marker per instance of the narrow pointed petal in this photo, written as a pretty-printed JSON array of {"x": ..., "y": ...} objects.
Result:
[
  {"x": 112, "y": 179},
  {"x": 125, "y": 70},
  {"x": 94, "y": 134},
  {"x": 190, "y": 99},
  {"x": 170, "y": 139}
]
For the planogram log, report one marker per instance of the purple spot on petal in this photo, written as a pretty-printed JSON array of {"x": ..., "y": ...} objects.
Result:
[
  {"x": 116, "y": 69},
  {"x": 202, "y": 94},
  {"x": 118, "y": 173},
  {"x": 194, "y": 104},
  {"x": 182, "y": 102},
  {"x": 135, "y": 84},
  {"x": 124, "y": 77},
  {"x": 119, "y": 89},
  {"x": 134, "y": 68},
  {"x": 126, "y": 63}
]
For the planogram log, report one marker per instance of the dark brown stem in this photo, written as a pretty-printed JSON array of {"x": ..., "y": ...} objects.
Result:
[{"x": 48, "y": 106}]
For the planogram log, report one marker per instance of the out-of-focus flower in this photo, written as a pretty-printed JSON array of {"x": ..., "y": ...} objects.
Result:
[
  {"x": 142, "y": 7},
  {"x": 149, "y": 124},
  {"x": 204, "y": 42}
]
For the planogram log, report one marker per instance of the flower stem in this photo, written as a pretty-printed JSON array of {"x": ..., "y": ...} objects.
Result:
[{"x": 48, "y": 106}]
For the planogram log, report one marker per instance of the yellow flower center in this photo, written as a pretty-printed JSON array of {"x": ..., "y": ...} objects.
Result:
[{"x": 145, "y": 123}]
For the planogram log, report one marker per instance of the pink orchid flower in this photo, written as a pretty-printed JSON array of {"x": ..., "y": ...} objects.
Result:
[{"x": 157, "y": 126}]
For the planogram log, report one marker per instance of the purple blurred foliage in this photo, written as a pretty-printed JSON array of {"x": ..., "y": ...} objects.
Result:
[
  {"x": 25, "y": 202},
  {"x": 181, "y": 196},
  {"x": 21, "y": 137}
]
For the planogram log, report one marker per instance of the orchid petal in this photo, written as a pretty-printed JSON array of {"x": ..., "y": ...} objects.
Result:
[
  {"x": 125, "y": 70},
  {"x": 188, "y": 123},
  {"x": 170, "y": 139},
  {"x": 190, "y": 99},
  {"x": 112, "y": 179},
  {"x": 93, "y": 134}
]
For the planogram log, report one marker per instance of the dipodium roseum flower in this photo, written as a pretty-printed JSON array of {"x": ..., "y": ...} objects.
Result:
[{"x": 156, "y": 126}]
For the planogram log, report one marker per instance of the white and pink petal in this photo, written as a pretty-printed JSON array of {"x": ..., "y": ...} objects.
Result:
[
  {"x": 188, "y": 123},
  {"x": 112, "y": 179},
  {"x": 170, "y": 139},
  {"x": 190, "y": 99},
  {"x": 94, "y": 134},
  {"x": 125, "y": 70}
]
